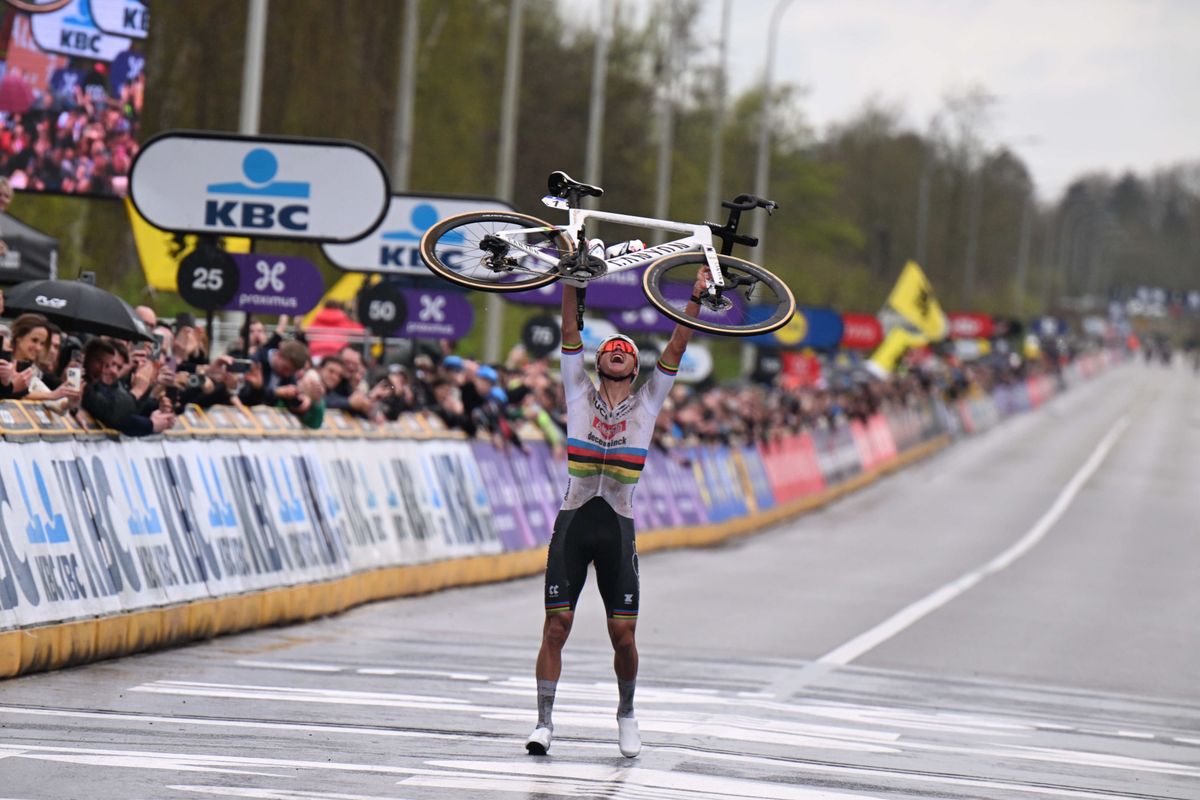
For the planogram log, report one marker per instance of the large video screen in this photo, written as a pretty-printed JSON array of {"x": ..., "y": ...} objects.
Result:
[{"x": 72, "y": 81}]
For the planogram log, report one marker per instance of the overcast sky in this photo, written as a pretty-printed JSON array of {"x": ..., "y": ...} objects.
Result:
[{"x": 1080, "y": 84}]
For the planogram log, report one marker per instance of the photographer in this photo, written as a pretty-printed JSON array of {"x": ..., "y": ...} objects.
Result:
[
  {"x": 107, "y": 399},
  {"x": 271, "y": 379}
]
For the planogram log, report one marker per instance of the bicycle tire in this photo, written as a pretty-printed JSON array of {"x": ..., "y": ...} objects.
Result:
[
  {"x": 461, "y": 235},
  {"x": 679, "y": 272}
]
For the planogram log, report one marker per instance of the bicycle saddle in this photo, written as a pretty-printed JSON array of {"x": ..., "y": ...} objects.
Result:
[{"x": 561, "y": 183}]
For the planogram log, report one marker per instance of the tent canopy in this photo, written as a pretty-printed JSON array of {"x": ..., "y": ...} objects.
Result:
[{"x": 32, "y": 255}]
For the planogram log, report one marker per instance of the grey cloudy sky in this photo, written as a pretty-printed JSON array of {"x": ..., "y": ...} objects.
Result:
[{"x": 1080, "y": 85}]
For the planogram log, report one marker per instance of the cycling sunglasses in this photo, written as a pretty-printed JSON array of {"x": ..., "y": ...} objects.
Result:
[{"x": 618, "y": 345}]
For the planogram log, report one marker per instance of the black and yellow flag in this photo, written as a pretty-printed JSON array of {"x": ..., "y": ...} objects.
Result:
[
  {"x": 912, "y": 298},
  {"x": 885, "y": 358}
]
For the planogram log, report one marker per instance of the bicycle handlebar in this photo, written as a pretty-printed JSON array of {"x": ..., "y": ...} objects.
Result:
[{"x": 747, "y": 202}]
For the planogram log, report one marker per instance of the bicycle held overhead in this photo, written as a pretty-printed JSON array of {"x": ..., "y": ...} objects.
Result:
[{"x": 500, "y": 251}]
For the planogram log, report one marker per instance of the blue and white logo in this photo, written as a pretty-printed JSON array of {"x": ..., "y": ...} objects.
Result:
[
  {"x": 423, "y": 217},
  {"x": 73, "y": 32},
  {"x": 260, "y": 167},
  {"x": 394, "y": 247},
  {"x": 310, "y": 189}
]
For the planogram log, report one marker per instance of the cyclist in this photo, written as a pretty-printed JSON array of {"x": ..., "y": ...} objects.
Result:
[{"x": 608, "y": 432}]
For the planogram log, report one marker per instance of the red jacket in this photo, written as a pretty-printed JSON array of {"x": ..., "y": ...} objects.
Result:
[{"x": 330, "y": 331}]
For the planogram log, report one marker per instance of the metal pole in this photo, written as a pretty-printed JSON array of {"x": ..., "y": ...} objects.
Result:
[
  {"x": 593, "y": 166},
  {"x": 406, "y": 92},
  {"x": 666, "y": 120},
  {"x": 494, "y": 316},
  {"x": 762, "y": 169},
  {"x": 973, "y": 214},
  {"x": 1023, "y": 251},
  {"x": 923, "y": 204},
  {"x": 252, "y": 67},
  {"x": 250, "y": 112},
  {"x": 715, "y": 161},
  {"x": 508, "y": 105},
  {"x": 1047, "y": 261}
]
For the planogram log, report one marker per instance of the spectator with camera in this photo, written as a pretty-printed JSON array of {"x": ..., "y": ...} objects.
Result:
[
  {"x": 271, "y": 379},
  {"x": 20, "y": 370},
  {"x": 107, "y": 400}
]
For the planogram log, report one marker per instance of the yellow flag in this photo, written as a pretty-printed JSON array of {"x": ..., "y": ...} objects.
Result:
[
  {"x": 912, "y": 298},
  {"x": 161, "y": 251},
  {"x": 885, "y": 358}
]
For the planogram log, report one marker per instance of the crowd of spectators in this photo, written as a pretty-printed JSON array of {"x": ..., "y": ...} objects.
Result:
[
  {"x": 76, "y": 138},
  {"x": 141, "y": 388}
]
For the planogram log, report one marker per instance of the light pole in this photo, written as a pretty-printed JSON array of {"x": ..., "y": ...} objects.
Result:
[
  {"x": 713, "y": 205},
  {"x": 762, "y": 170}
]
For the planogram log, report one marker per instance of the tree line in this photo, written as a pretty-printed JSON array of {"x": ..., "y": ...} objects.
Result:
[{"x": 856, "y": 201}]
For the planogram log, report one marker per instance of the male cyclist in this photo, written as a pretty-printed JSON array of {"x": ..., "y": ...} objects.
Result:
[{"x": 608, "y": 431}]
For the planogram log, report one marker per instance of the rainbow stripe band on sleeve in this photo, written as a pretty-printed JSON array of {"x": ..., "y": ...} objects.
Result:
[
  {"x": 622, "y": 614},
  {"x": 572, "y": 349},
  {"x": 558, "y": 608},
  {"x": 667, "y": 369}
]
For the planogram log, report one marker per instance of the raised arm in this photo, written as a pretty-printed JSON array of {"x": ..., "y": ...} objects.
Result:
[
  {"x": 673, "y": 353},
  {"x": 570, "y": 320}
]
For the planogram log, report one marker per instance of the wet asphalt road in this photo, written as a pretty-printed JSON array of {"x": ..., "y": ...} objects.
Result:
[{"x": 1013, "y": 618}]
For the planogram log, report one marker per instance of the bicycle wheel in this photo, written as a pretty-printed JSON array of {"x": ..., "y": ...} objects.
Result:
[
  {"x": 464, "y": 249},
  {"x": 753, "y": 301}
]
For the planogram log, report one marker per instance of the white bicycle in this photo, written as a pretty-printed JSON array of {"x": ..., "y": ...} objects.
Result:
[{"x": 504, "y": 251}]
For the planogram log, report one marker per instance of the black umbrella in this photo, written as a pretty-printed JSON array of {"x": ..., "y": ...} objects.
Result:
[{"x": 77, "y": 306}]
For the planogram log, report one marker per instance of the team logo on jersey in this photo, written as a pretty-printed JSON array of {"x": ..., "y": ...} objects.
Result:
[{"x": 608, "y": 432}]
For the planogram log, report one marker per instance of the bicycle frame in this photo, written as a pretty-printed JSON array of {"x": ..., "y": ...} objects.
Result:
[{"x": 699, "y": 238}]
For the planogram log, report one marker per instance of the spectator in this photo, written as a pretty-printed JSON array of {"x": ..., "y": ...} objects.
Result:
[
  {"x": 271, "y": 380},
  {"x": 331, "y": 330},
  {"x": 6, "y": 196},
  {"x": 107, "y": 399},
  {"x": 20, "y": 375}
]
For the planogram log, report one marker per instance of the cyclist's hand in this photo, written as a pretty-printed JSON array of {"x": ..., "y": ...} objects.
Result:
[{"x": 703, "y": 278}]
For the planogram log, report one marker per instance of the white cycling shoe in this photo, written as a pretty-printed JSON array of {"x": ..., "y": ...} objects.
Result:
[
  {"x": 628, "y": 738},
  {"x": 539, "y": 741}
]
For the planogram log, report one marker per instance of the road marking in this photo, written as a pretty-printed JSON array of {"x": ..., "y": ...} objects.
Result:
[
  {"x": 906, "y": 617},
  {"x": 295, "y": 666}
]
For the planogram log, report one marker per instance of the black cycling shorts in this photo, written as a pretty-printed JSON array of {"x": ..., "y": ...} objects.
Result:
[{"x": 593, "y": 534}]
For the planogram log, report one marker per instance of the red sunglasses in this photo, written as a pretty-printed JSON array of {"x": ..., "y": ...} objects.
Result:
[{"x": 619, "y": 345}]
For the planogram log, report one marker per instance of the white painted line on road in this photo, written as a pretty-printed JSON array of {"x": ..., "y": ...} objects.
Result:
[
  {"x": 454, "y": 676},
  {"x": 906, "y": 617},
  {"x": 1135, "y": 735},
  {"x": 295, "y": 666}
]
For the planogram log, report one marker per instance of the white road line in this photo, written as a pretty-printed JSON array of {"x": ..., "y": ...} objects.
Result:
[
  {"x": 876, "y": 636},
  {"x": 295, "y": 666}
]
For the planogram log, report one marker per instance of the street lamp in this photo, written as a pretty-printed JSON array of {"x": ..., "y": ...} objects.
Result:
[{"x": 764, "y": 134}]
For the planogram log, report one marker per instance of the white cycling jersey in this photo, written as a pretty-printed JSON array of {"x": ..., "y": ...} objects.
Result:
[{"x": 606, "y": 447}]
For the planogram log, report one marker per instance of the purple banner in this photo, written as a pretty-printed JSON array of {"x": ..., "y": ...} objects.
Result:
[
  {"x": 435, "y": 314},
  {"x": 276, "y": 284},
  {"x": 646, "y": 319},
  {"x": 612, "y": 292},
  {"x": 508, "y": 512},
  {"x": 537, "y": 493}
]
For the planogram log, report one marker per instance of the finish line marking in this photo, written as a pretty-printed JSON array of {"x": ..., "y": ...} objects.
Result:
[{"x": 904, "y": 618}]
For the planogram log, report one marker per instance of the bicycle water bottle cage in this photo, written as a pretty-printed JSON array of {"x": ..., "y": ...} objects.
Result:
[{"x": 563, "y": 185}]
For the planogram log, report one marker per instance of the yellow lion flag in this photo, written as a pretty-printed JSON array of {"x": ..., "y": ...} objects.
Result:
[
  {"x": 885, "y": 358},
  {"x": 912, "y": 298}
]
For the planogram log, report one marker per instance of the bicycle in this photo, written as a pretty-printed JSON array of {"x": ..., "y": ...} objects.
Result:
[{"x": 503, "y": 251}]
